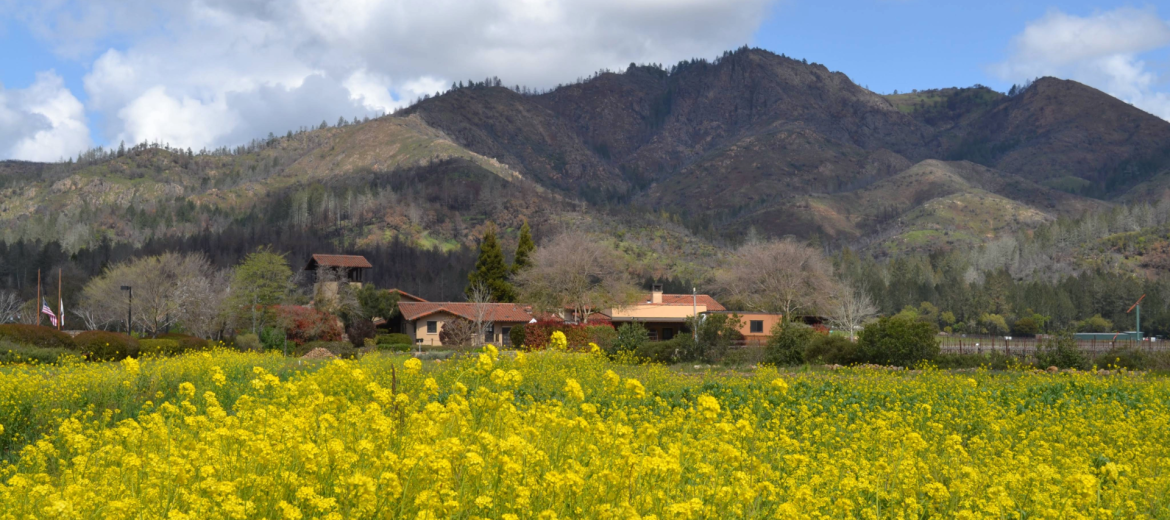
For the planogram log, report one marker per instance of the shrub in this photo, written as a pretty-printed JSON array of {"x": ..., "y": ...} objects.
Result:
[
  {"x": 395, "y": 347},
  {"x": 35, "y": 335},
  {"x": 711, "y": 337},
  {"x": 396, "y": 338},
  {"x": 99, "y": 345},
  {"x": 536, "y": 334},
  {"x": 1061, "y": 351},
  {"x": 341, "y": 349},
  {"x": 359, "y": 330},
  {"x": 249, "y": 342},
  {"x": 159, "y": 347},
  {"x": 517, "y": 335},
  {"x": 898, "y": 341},
  {"x": 787, "y": 343},
  {"x": 187, "y": 343},
  {"x": 603, "y": 336},
  {"x": 29, "y": 354},
  {"x": 837, "y": 350},
  {"x": 1095, "y": 324},
  {"x": 1127, "y": 358},
  {"x": 1025, "y": 327},
  {"x": 305, "y": 324},
  {"x": 991, "y": 360},
  {"x": 658, "y": 351},
  {"x": 630, "y": 338}
]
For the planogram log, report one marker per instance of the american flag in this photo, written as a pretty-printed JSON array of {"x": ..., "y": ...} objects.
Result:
[{"x": 48, "y": 310}]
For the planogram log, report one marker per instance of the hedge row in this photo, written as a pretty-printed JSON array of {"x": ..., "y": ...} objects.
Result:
[{"x": 97, "y": 345}]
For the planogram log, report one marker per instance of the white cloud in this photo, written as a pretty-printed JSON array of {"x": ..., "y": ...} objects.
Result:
[
  {"x": 43, "y": 122},
  {"x": 1102, "y": 50},
  {"x": 237, "y": 69}
]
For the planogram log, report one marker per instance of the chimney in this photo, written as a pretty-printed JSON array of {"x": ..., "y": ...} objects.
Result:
[{"x": 656, "y": 293}]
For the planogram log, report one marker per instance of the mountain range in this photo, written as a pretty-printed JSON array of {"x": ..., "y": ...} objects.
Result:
[{"x": 665, "y": 160}]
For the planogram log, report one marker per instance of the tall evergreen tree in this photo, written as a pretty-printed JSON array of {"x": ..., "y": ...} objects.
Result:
[
  {"x": 491, "y": 270},
  {"x": 524, "y": 249}
]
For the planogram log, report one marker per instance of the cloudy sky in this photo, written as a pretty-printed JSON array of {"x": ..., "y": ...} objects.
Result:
[{"x": 206, "y": 73}]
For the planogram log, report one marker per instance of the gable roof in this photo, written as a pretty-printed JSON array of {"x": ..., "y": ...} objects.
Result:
[
  {"x": 403, "y": 295},
  {"x": 495, "y": 311},
  {"x": 356, "y": 261},
  {"x": 684, "y": 300}
]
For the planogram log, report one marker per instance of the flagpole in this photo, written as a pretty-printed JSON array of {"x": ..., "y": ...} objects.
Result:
[
  {"x": 38, "y": 297},
  {"x": 60, "y": 304}
]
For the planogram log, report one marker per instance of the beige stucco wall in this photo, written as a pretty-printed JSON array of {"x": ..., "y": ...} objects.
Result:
[
  {"x": 643, "y": 312},
  {"x": 746, "y": 318},
  {"x": 417, "y": 329}
]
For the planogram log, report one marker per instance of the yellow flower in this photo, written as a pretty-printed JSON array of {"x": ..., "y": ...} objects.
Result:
[
  {"x": 708, "y": 406},
  {"x": 780, "y": 385},
  {"x": 187, "y": 390},
  {"x": 573, "y": 389},
  {"x": 558, "y": 341},
  {"x": 635, "y": 387},
  {"x": 412, "y": 365}
]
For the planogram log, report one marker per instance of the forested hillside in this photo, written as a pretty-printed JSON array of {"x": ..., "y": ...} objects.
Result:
[{"x": 938, "y": 193}]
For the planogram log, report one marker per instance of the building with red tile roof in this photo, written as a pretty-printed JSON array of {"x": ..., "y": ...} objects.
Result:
[{"x": 423, "y": 321}]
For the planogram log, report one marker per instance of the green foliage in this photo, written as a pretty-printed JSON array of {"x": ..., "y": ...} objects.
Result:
[
  {"x": 837, "y": 350},
  {"x": 604, "y": 336},
  {"x": 712, "y": 335},
  {"x": 359, "y": 331},
  {"x": 272, "y": 338},
  {"x": 898, "y": 341},
  {"x": 187, "y": 343},
  {"x": 395, "y": 338},
  {"x": 1061, "y": 351},
  {"x": 35, "y": 335},
  {"x": 377, "y": 303},
  {"x": 491, "y": 271},
  {"x": 260, "y": 282},
  {"x": 517, "y": 335},
  {"x": 524, "y": 249},
  {"x": 990, "y": 360},
  {"x": 631, "y": 337},
  {"x": 159, "y": 347},
  {"x": 993, "y": 324},
  {"x": 658, "y": 351},
  {"x": 395, "y": 347},
  {"x": 1127, "y": 358},
  {"x": 12, "y": 353},
  {"x": 1025, "y": 327},
  {"x": 100, "y": 345},
  {"x": 249, "y": 342},
  {"x": 787, "y": 343},
  {"x": 1095, "y": 324}
]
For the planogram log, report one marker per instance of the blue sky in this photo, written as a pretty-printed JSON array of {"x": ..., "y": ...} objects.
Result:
[{"x": 207, "y": 73}]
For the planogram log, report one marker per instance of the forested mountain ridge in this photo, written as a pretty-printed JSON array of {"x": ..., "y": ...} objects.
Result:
[{"x": 673, "y": 164}]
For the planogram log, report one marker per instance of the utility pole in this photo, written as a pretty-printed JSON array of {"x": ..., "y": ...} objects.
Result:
[
  {"x": 695, "y": 311},
  {"x": 1138, "y": 306},
  {"x": 38, "y": 305},
  {"x": 60, "y": 306}
]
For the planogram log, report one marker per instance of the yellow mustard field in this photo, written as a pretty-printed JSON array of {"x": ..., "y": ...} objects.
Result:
[{"x": 556, "y": 435}]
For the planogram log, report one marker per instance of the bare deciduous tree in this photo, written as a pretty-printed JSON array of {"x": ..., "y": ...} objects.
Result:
[
  {"x": 573, "y": 271},
  {"x": 9, "y": 307},
  {"x": 480, "y": 298},
  {"x": 459, "y": 332},
  {"x": 850, "y": 308},
  {"x": 782, "y": 276},
  {"x": 168, "y": 289}
]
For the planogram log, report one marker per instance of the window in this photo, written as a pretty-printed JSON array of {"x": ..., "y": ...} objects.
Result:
[
  {"x": 667, "y": 333},
  {"x": 432, "y": 327},
  {"x": 653, "y": 334},
  {"x": 756, "y": 326},
  {"x": 489, "y": 332},
  {"x": 506, "y": 332}
]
